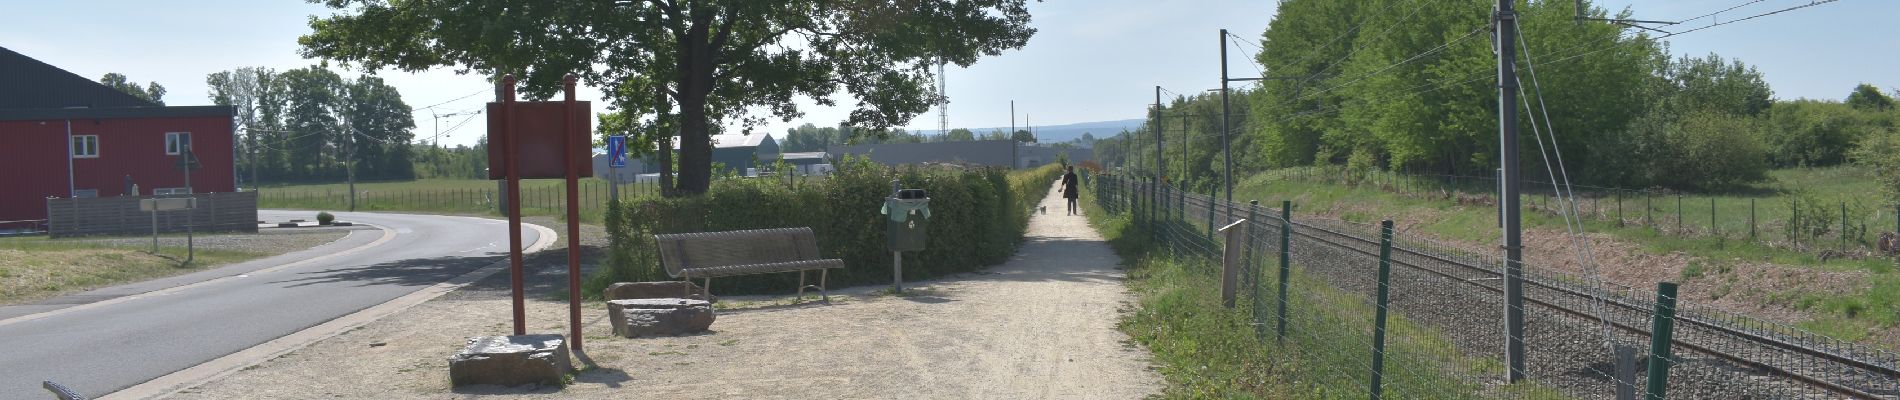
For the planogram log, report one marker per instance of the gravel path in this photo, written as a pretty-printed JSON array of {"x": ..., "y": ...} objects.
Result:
[{"x": 1039, "y": 326}]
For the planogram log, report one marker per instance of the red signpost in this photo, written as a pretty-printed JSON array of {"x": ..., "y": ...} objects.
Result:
[{"x": 545, "y": 131}]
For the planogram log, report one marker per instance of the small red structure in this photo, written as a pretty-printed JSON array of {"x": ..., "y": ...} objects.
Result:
[
  {"x": 542, "y": 140},
  {"x": 62, "y": 135}
]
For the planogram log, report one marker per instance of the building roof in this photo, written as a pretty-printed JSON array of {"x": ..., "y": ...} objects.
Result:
[
  {"x": 26, "y": 83},
  {"x": 117, "y": 112},
  {"x": 802, "y": 156},
  {"x": 730, "y": 140}
]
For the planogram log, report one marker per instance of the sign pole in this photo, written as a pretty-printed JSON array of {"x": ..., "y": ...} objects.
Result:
[
  {"x": 570, "y": 135},
  {"x": 190, "y": 161},
  {"x": 512, "y": 166}
]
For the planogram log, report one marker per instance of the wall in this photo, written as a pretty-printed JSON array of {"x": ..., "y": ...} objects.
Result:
[
  {"x": 33, "y": 155},
  {"x": 216, "y": 212}
]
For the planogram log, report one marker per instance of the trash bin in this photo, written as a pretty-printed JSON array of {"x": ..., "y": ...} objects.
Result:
[{"x": 909, "y": 219}]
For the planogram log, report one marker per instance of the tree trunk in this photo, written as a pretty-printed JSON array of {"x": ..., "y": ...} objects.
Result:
[
  {"x": 666, "y": 164},
  {"x": 695, "y": 149}
]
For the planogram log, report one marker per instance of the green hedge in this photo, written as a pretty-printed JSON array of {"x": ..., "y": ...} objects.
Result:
[{"x": 977, "y": 219}]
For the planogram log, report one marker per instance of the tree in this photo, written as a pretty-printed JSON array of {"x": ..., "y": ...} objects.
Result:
[
  {"x": 959, "y": 135},
  {"x": 314, "y": 95},
  {"x": 1868, "y": 97},
  {"x": 152, "y": 92},
  {"x": 382, "y": 126},
  {"x": 1024, "y": 136},
  {"x": 716, "y": 60}
]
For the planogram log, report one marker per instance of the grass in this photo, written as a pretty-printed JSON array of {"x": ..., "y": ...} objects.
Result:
[
  {"x": 1846, "y": 315},
  {"x": 539, "y": 197},
  {"x": 1205, "y": 350},
  {"x": 33, "y": 268}
]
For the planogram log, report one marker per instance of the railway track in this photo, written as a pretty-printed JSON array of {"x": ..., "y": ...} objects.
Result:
[{"x": 1727, "y": 356}]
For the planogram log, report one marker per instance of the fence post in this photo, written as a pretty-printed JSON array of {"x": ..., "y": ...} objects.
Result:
[
  {"x": 1843, "y": 228},
  {"x": 1253, "y": 270},
  {"x": 1619, "y": 208},
  {"x": 1378, "y": 323},
  {"x": 1649, "y": 204},
  {"x": 1712, "y": 230},
  {"x": 1751, "y": 219},
  {"x": 1286, "y": 255},
  {"x": 1661, "y": 331},
  {"x": 1794, "y": 226},
  {"x": 1679, "y": 214}
]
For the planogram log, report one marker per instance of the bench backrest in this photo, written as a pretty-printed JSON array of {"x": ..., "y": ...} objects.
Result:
[{"x": 715, "y": 249}]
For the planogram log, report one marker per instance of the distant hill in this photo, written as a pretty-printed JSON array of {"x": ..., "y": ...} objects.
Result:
[{"x": 1067, "y": 132}]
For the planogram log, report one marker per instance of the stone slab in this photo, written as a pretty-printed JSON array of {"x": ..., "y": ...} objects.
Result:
[
  {"x": 657, "y": 290},
  {"x": 511, "y": 361},
  {"x": 655, "y": 317}
]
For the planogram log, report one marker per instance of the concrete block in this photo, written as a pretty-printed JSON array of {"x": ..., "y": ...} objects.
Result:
[
  {"x": 654, "y": 317},
  {"x": 511, "y": 361}
]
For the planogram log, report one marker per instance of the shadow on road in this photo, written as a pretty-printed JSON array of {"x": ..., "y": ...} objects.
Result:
[{"x": 411, "y": 272}]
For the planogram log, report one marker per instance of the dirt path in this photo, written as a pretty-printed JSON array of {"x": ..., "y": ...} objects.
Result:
[{"x": 1039, "y": 326}]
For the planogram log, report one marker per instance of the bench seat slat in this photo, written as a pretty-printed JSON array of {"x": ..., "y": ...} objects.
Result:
[{"x": 749, "y": 269}]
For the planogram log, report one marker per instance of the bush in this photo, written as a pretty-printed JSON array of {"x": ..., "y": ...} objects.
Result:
[
  {"x": 324, "y": 218},
  {"x": 978, "y": 216},
  {"x": 1880, "y": 152},
  {"x": 1710, "y": 151}
]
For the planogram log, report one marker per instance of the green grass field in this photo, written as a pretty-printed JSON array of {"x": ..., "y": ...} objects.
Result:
[
  {"x": 539, "y": 197},
  {"x": 33, "y": 268}
]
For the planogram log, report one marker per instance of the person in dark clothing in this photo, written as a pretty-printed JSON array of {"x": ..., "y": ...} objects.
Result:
[{"x": 1069, "y": 190}]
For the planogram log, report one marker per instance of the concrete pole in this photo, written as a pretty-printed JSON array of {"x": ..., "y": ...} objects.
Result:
[{"x": 1506, "y": 20}]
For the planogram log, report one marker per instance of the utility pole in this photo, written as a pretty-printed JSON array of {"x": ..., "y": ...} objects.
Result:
[
  {"x": 1161, "y": 169},
  {"x": 1506, "y": 25},
  {"x": 1226, "y": 128}
]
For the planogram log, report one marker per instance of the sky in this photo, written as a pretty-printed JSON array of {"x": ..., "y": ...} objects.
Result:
[{"x": 1091, "y": 60}]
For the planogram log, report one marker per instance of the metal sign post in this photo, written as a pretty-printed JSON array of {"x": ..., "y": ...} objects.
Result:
[
  {"x": 616, "y": 159},
  {"x": 541, "y": 140},
  {"x": 187, "y": 162}
]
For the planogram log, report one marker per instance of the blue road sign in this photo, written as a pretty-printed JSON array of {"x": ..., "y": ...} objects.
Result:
[{"x": 616, "y": 151}]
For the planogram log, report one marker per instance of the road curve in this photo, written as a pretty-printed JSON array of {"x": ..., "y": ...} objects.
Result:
[{"x": 105, "y": 340}]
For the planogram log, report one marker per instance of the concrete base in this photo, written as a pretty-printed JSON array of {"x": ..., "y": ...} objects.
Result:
[
  {"x": 654, "y": 317},
  {"x": 511, "y": 361}
]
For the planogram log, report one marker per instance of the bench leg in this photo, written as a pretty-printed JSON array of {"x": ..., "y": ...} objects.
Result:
[
  {"x": 708, "y": 289},
  {"x": 822, "y": 292},
  {"x": 801, "y": 285}
]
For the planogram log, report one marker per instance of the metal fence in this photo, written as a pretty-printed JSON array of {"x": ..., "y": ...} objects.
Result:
[
  {"x": 535, "y": 198},
  {"x": 1317, "y": 288},
  {"x": 215, "y": 212},
  {"x": 1830, "y": 227}
]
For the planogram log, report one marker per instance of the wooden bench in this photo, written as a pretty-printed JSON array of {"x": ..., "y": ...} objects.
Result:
[{"x": 707, "y": 255}]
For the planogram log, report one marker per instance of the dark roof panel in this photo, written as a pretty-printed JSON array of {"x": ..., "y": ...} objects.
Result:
[
  {"x": 119, "y": 112},
  {"x": 28, "y": 83}
]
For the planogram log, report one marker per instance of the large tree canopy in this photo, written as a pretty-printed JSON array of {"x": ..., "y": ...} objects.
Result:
[{"x": 711, "y": 60}]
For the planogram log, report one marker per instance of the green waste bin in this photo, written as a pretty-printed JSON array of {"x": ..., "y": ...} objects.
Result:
[{"x": 909, "y": 220}]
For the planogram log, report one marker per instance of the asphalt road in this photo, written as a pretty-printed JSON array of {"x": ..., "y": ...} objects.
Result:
[{"x": 102, "y": 341}]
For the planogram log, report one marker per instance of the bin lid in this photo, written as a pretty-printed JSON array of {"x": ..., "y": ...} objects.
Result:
[{"x": 900, "y": 209}]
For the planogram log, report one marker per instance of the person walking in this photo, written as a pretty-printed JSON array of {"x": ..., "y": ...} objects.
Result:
[{"x": 1069, "y": 190}]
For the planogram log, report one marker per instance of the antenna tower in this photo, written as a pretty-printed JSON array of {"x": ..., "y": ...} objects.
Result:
[{"x": 943, "y": 105}]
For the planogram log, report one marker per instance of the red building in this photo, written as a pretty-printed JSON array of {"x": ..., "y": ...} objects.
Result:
[{"x": 62, "y": 135}]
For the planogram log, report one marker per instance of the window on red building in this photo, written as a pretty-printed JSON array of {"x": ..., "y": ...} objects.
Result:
[
  {"x": 175, "y": 142},
  {"x": 86, "y": 146}
]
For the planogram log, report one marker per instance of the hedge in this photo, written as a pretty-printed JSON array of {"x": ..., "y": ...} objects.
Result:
[{"x": 977, "y": 218}]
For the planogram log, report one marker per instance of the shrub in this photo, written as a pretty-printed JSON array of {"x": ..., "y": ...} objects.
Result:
[
  {"x": 324, "y": 218},
  {"x": 977, "y": 214},
  {"x": 1880, "y": 152}
]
